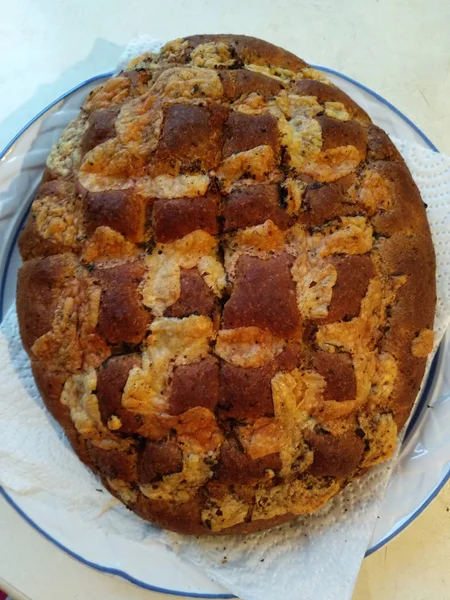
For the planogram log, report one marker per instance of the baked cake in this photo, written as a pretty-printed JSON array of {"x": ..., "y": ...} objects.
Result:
[{"x": 228, "y": 286}]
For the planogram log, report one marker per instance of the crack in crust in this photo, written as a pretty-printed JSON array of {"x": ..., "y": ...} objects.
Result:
[{"x": 228, "y": 286}]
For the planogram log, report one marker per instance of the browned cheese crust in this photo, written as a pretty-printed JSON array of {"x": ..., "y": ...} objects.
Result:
[{"x": 228, "y": 287}]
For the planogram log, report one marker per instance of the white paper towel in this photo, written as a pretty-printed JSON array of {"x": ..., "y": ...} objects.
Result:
[
  {"x": 315, "y": 557},
  {"x": 138, "y": 45}
]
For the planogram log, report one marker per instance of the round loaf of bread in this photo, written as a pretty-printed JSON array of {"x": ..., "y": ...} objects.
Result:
[{"x": 228, "y": 286}]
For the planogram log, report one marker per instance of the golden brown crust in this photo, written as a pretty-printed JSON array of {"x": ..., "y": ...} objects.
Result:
[
  {"x": 111, "y": 379},
  {"x": 353, "y": 275},
  {"x": 173, "y": 219},
  {"x": 121, "y": 210},
  {"x": 39, "y": 285},
  {"x": 191, "y": 137},
  {"x": 252, "y": 50},
  {"x": 235, "y": 466},
  {"x": 337, "y": 456},
  {"x": 55, "y": 225},
  {"x": 245, "y": 393},
  {"x": 122, "y": 318},
  {"x": 195, "y": 385},
  {"x": 244, "y": 132},
  {"x": 50, "y": 386},
  {"x": 324, "y": 203},
  {"x": 412, "y": 312},
  {"x": 101, "y": 127},
  {"x": 158, "y": 459},
  {"x": 228, "y": 286},
  {"x": 263, "y": 296},
  {"x": 195, "y": 296},
  {"x": 241, "y": 82},
  {"x": 253, "y": 205},
  {"x": 337, "y": 133},
  {"x": 339, "y": 374},
  {"x": 379, "y": 146}
]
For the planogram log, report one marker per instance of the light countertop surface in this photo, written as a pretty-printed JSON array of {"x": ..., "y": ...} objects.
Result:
[{"x": 399, "y": 48}]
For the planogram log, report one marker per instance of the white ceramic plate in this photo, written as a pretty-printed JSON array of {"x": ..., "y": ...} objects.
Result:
[{"x": 422, "y": 468}]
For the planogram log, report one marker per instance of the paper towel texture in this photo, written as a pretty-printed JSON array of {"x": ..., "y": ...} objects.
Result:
[{"x": 138, "y": 45}]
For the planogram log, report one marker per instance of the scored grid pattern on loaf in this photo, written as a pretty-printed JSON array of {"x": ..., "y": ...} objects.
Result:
[{"x": 228, "y": 290}]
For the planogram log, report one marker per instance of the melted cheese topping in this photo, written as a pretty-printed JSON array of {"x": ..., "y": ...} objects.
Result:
[
  {"x": 200, "y": 439},
  {"x": 162, "y": 287},
  {"x": 65, "y": 155},
  {"x": 381, "y": 436},
  {"x": 260, "y": 238},
  {"x": 310, "y": 73},
  {"x": 174, "y": 50},
  {"x": 111, "y": 93},
  {"x": 258, "y": 164},
  {"x": 224, "y": 512},
  {"x": 295, "y": 189},
  {"x": 180, "y": 487},
  {"x": 315, "y": 277},
  {"x": 336, "y": 110},
  {"x": 422, "y": 345},
  {"x": 315, "y": 280},
  {"x": 138, "y": 125},
  {"x": 123, "y": 490},
  {"x": 360, "y": 334},
  {"x": 108, "y": 166},
  {"x": 332, "y": 164},
  {"x": 302, "y": 136},
  {"x": 59, "y": 219},
  {"x": 385, "y": 375},
  {"x": 251, "y": 104},
  {"x": 105, "y": 244},
  {"x": 171, "y": 342},
  {"x": 359, "y": 337},
  {"x": 264, "y": 436},
  {"x": 272, "y": 71},
  {"x": 146, "y": 61},
  {"x": 188, "y": 82},
  {"x": 299, "y": 497},
  {"x": 72, "y": 343},
  {"x": 293, "y": 395},
  {"x": 60, "y": 347},
  {"x": 293, "y": 105},
  {"x": 354, "y": 237},
  {"x": 78, "y": 395},
  {"x": 213, "y": 273},
  {"x": 261, "y": 241},
  {"x": 374, "y": 193},
  {"x": 173, "y": 186},
  {"x": 211, "y": 55},
  {"x": 247, "y": 346}
]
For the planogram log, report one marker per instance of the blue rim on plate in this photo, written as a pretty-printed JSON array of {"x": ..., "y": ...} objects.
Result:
[{"x": 412, "y": 424}]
